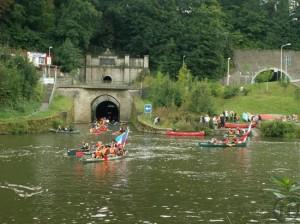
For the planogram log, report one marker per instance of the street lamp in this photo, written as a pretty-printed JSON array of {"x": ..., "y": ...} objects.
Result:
[
  {"x": 281, "y": 49},
  {"x": 49, "y": 63},
  {"x": 228, "y": 63}
]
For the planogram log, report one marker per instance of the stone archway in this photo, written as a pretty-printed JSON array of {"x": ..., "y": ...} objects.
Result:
[
  {"x": 107, "y": 79},
  {"x": 105, "y": 106},
  {"x": 276, "y": 72}
]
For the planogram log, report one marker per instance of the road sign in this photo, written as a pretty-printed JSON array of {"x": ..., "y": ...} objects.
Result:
[{"x": 147, "y": 108}]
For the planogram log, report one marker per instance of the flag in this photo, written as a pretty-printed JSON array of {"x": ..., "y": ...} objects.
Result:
[{"x": 121, "y": 139}]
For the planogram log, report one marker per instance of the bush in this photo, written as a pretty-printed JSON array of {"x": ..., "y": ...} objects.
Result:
[
  {"x": 277, "y": 129},
  {"x": 297, "y": 94},
  {"x": 230, "y": 91}
]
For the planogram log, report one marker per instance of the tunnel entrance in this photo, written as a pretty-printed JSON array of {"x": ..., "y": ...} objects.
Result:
[
  {"x": 270, "y": 75},
  {"x": 105, "y": 106},
  {"x": 109, "y": 110}
]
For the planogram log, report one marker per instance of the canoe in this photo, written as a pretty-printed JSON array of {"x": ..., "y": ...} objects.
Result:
[
  {"x": 96, "y": 160},
  {"x": 185, "y": 133},
  {"x": 271, "y": 117},
  {"x": 64, "y": 132},
  {"x": 238, "y": 125},
  {"x": 98, "y": 131},
  {"x": 209, "y": 144}
]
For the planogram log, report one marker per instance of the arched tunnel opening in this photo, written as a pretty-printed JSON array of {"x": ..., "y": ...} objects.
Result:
[
  {"x": 271, "y": 75},
  {"x": 109, "y": 110}
]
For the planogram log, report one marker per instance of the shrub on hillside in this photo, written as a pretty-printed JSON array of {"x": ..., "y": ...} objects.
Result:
[
  {"x": 297, "y": 132},
  {"x": 297, "y": 94},
  {"x": 277, "y": 129},
  {"x": 230, "y": 91},
  {"x": 216, "y": 89}
]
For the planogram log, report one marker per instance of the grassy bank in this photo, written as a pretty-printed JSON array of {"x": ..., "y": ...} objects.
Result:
[
  {"x": 31, "y": 120},
  {"x": 271, "y": 98}
]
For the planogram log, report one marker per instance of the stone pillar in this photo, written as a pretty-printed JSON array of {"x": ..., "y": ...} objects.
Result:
[
  {"x": 146, "y": 61},
  {"x": 88, "y": 68},
  {"x": 126, "y": 62}
]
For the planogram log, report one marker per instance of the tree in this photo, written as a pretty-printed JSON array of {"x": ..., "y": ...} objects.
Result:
[
  {"x": 68, "y": 56},
  {"x": 77, "y": 21}
]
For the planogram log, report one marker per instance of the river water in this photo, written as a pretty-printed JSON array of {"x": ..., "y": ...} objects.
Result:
[{"x": 163, "y": 180}]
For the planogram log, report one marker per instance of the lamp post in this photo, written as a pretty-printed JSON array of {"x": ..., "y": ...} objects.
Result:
[
  {"x": 281, "y": 49},
  {"x": 183, "y": 59},
  {"x": 228, "y": 63},
  {"x": 49, "y": 63}
]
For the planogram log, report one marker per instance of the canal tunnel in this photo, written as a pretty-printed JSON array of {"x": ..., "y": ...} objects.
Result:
[
  {"x": 108, "y": 110},
  {"x": 105, "y": 106}
]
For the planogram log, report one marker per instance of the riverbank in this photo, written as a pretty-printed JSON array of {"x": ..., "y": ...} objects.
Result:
[
  {"x": 261, "y": 98},
  {"x": 60, "y": 112}
]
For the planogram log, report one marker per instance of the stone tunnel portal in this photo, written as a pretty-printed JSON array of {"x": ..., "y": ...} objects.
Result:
[
  {"x": 108, "y": 110},
  {"x": 105, "y": 106}
]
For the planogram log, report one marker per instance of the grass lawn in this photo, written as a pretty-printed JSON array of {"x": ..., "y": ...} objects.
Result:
[
  {"x": 30, "y": 110},
  {"x": 269, "y": 98}
]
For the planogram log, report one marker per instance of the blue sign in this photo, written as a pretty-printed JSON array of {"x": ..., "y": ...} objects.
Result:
[{"x": 147, "y": 108}]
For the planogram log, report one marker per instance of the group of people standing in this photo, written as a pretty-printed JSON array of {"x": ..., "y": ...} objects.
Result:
[{"x": 218, "y": 121}]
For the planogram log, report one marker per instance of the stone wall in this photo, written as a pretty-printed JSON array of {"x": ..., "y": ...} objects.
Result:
[
  {"x": 248, "y": 63},
  {"x": 84, "y": 98}
]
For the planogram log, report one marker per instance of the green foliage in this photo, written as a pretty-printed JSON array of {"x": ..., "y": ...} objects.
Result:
[
  {"x": 162, "y": 91},
  {"x": 277, "y": 129},
  {"x": 231, "y": 91},
  {"x": 18, "y": 81},
  {"x": 68, "y": 56},
  {"x": 297, "y": 132},
  {"x": 265, "y": 76},
  {"x": 199, "y": 99},
  {"x": 297, "y": 94},
  {"x": 216, "y": 89},
  {"x": 204, "y": 33},
  {"x": 287, "y": 197}
]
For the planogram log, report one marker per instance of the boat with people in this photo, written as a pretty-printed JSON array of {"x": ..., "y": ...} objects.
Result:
[
  {"x": 185, "y": 133},
  {"x": 64, "y": 131},
  {"x": 114, "y": 151},
  {"x": 236, "y": 141},
  {"x": 221, "y": 144}
]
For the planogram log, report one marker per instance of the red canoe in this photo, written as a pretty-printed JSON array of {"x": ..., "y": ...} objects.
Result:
[
  {"x": 238, "y": 125},
  {"x": 270, "y": 117},
  {"x": 185, "y": 133}
]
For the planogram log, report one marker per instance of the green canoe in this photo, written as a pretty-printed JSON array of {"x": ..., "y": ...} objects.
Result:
[
  {"x": 96, "y": 160},
  {"x": 209, "y": 144}
]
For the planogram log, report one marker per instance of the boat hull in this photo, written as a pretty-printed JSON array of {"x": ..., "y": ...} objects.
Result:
[
  {"x": 238, "y": 125},
  {"x": 223, "y": 145},
  {"x": 64, "y": 132},
  {"x": 97, "y": 160},
  {"x": 185, "y": 133}
]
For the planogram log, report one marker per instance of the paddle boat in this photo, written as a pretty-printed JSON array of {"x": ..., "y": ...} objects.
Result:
[{"x": 185, "y": 133}]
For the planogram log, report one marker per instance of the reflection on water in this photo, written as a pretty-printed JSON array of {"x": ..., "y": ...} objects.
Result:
[{"x": 163, "y": 180}]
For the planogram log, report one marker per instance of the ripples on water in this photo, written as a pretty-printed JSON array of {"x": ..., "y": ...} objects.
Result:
[{"x": 163, "y": 180}]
